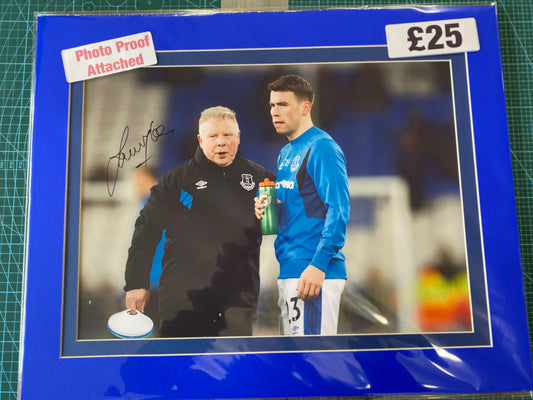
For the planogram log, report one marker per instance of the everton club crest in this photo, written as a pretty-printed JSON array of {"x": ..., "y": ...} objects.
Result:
[{"x": 247, "y": 182}]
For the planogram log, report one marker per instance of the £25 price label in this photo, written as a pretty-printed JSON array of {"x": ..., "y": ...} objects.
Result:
[{"x": 432, "y": 38}]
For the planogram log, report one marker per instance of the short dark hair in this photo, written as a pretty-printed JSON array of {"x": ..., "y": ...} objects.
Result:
[{"x": 293, "y": 83}]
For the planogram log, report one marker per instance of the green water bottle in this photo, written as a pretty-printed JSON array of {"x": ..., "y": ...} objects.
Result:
[{"x": 269, "y": 220}]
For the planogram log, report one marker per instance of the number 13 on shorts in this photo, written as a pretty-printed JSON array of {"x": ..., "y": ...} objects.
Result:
[{"x": 318, "y": 316}]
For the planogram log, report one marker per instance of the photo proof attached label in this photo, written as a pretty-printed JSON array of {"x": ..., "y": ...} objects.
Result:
[
  {"x": 432, "y": 38},
  {"x": 109, "y": 57}
]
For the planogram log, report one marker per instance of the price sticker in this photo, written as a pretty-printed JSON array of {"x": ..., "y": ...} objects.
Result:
[{"x": 432, "y": 38}]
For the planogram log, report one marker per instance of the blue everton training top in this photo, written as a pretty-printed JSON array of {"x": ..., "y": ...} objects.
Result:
[{"x": 312, "y": 186}]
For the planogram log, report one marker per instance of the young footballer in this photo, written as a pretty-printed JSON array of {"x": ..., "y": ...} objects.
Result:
[{"x": 313, "y": 210}]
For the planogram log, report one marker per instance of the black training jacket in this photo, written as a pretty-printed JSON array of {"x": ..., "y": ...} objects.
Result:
[{"x": 211, "y": 257}]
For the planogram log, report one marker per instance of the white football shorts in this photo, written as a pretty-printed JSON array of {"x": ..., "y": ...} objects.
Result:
[{"x": 318, "y": 316}]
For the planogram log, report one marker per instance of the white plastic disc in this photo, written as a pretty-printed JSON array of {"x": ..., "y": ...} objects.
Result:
[{"x": 130, "y": 326}]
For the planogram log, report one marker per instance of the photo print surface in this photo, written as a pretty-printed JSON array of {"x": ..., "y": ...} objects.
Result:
[{"x": 401, "y": 127}]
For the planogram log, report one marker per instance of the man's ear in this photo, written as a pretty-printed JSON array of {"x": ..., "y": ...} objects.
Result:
[{"x": 306, "y": 107}]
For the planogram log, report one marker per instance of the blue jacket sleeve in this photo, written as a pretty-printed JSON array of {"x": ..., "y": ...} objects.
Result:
[{"x": 327, "y": 169}]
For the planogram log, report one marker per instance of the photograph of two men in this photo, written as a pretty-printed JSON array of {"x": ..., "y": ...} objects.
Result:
[{"x": 360, "y": 160}]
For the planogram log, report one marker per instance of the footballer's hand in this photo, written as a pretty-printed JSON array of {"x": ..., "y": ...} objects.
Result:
[
  {"x": 136, "y": 299},
  {"x": 310, "y": 283},
  {"x": 259, "y": 207}
]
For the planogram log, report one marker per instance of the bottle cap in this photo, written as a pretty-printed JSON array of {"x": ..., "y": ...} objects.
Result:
[{"x": 267, "y": 182}]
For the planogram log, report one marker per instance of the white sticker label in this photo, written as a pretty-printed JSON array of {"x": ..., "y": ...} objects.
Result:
[
  {"x": 109, "y": 57},
  {"x": 432, "y": 38}
]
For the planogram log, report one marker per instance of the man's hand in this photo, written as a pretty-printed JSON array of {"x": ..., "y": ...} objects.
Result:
[
  {"x": 136, "y": 299},
  {"x": 259, "y": 206},
  {"x": 310, "y": 283}
]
